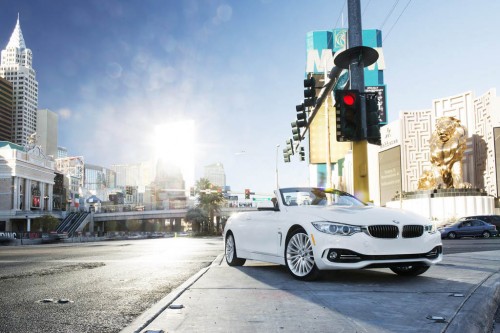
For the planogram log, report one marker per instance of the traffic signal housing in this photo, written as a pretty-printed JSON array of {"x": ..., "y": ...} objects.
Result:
[
  {"x": 309, "y": 92},
  {"x": 301, "y": 115},
  {"x": 295, "y": 130},
  {"x": 286, "y": 155},
  {"x": 348, "y": 110},
  {"x": 288, "y": 150},
  {"x": 247, "y": 193},
  {"x": 302, "y": 154},
  {"x": 372, "y": 119}
]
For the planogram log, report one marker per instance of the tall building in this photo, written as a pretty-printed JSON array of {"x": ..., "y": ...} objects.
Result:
[
  {"x": 16, "y": 67},
  {"x": 26, "y": 186},
  {"x": 73, "y": 166},
  {"x": 62, "y": 152},
  {"x": 6, "y": 98},
  {"x": 139, "y": 175},
  {"x": 216, "y": 175},
  {"x": 99, "y": 181},
  {"x": 46, "y": 130},
  {"x": 169, "y": 187}
]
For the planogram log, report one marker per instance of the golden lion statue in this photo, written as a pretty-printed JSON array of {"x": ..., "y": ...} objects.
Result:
[{"x": 447, "y": 145}]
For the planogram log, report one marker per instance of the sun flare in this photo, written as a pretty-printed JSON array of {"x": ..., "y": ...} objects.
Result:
[{"x": 175, "y": 143}]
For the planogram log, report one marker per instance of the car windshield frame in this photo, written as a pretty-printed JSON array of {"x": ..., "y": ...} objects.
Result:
[{"x": 316, "y": 196}]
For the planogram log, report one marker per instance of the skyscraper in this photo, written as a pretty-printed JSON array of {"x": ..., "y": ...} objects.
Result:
[
  {"x": 46, "y": 130},
  {"x": 5, "y": 110},
  {"x": 16, "y": 67},
  {"x": 216, "y": 175}
]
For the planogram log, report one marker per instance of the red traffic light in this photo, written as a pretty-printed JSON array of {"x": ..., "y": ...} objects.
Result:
[{"x": 349, "y": 99}]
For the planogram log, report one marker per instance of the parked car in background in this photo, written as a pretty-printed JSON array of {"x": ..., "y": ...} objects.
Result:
[
  {"x": 491, "y": 219},
  {"x": 469, "y": 228}
]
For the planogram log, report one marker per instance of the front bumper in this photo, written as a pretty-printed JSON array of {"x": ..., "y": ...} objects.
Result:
[{"x": 362, "y": 251}]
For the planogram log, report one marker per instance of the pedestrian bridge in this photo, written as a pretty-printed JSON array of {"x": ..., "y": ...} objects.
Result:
[{"x": 159, "y": 214}]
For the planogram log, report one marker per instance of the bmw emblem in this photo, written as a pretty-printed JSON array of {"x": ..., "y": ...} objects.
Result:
[{"x": 395, "y": 221}]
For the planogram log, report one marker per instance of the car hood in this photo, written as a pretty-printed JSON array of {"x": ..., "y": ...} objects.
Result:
[{"x": 362, "y": 215}]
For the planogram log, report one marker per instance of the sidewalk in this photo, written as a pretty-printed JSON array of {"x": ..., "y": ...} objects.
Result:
[{"x": 461, "y": 294}]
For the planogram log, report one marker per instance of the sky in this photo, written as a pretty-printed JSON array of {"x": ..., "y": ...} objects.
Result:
[{"x": 113, "y": 70}]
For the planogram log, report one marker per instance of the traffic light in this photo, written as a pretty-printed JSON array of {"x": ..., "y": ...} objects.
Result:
[
  {"x": 301, "y": 119},
  {"x": 372, "y": 119},
  {"x": 286, "y": 155},
  {"x": 302, "y": 154},
  {"x": 289, "y": 146},
  {"x": 288, "y": 150},
  {"x": 247, "y": 193},
  {"x": 309, "y": 92},
  {"x": 295, "y": 131},
  {"x": 348, "y": 110},
  {"x": 301, "y": 115}
]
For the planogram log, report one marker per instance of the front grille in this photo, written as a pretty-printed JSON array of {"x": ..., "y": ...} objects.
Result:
[
  {"x": 383, "y": 231},
  {"x": 413, "y": 231}
]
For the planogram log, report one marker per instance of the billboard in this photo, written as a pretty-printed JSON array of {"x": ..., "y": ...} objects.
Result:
[{"x": 389, "y": 174}]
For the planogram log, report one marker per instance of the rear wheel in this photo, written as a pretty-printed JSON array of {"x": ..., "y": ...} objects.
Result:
[
  {"x": 452, "y": 235},
  {"x": 299, "y": 257},
  {"x": 230, "y": 251},
  {"x": 409, "y": 270},
  {"x": 486, "y": 234}
]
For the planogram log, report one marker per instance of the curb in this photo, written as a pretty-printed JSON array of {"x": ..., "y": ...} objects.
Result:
[
  {"x": 152, "y": 313},
  {"x": 478, "y": 310}
]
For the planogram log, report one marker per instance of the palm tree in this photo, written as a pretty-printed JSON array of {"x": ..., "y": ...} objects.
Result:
[
  {"x": 211, "y": 200},
  {"x": 198, "y": 219}
]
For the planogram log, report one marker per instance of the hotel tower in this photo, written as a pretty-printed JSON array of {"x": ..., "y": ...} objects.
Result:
[{"x": 16, "y": 67}]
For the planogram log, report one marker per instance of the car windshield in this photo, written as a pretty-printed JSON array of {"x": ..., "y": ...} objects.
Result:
[{"x": 305, "y": 196}]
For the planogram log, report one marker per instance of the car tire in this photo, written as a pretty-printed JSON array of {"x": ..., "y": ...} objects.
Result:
[
  {"x": 452, "y": 235},
  {"x": 299, "y": 256},
  {"x": 409, "y": 270},
  {"x": 486, "y": 234},
  {"x": 230, "y": 252}
]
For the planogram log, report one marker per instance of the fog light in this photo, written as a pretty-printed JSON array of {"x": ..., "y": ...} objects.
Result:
[{"x": 332, "y": 255}]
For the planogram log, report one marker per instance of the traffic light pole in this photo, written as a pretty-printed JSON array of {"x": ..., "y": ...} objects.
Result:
[
  {"x": 357, "y": 79},
  {"x": 328, "y": 157}
]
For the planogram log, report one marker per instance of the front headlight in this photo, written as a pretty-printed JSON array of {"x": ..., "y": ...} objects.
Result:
[
  {"x": 430, "y": 228},
  {"x": 337, "y": 229}
]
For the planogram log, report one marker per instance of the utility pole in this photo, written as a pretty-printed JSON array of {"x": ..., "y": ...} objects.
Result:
[{"x": 357, "y": 79}]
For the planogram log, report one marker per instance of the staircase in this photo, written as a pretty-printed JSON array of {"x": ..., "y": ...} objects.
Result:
[{"x": 72, "y": 223}]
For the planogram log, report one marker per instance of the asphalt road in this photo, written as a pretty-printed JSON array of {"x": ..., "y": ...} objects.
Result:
[
  {"x": 470, "y": 244},
  {"x": 94, "y": 287},
  {"x": 103, "y": 286}
]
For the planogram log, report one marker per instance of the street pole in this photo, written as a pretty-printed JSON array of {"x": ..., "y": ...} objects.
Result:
[
  {"x": 357, "y": 80},
  {"x": 327, "y": 122}
]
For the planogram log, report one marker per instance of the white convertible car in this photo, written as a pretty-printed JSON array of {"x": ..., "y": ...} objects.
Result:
[{"x": 313, "y": 229}]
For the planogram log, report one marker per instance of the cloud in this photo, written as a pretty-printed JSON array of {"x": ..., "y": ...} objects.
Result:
[
  {"x": 114, "y": 70},
  {"x": 64, "y": 113},
  {"x": 224, "y": 14}
]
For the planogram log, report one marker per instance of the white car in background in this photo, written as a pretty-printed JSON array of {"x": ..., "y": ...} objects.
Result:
[{"x": 313, "y": 229}]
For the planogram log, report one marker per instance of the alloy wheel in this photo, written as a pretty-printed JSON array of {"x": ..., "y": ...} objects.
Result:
[{"x": 299, "y": 255}]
